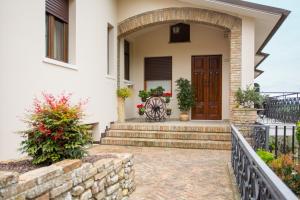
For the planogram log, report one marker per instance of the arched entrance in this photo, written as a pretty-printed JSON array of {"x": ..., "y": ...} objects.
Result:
[{"x": 231, "y": 23}]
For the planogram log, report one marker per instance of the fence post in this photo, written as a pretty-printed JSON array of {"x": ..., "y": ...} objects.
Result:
[{"x": 276, "y": 140}]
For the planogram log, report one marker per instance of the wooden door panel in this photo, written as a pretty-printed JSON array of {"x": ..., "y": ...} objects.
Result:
[{"x": 207, "y": 82}]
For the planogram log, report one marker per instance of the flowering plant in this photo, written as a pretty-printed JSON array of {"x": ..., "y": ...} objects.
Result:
[
  {"x": 55, "y": 132},
  {"x": 167, "y": 94},
  {"x": 141, "y": 109}
]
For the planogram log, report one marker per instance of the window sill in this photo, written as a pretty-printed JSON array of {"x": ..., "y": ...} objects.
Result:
[
  {"x": 110, "y": 77},
  {"x": 127, "y": 82},
  {"x": 59, "y": 63}
]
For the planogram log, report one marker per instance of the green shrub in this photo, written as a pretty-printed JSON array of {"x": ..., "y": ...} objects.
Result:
[
  {"x": 185, "y": 95},
  {"x": 248, "y": 98},
  {"x": 266, "y": 156},
  {"x": 124, "y": 92},
  {"x": 157, "y": 91},
  {"x": 298, "y": 132},
  {"x": 143, "y": 94},
  {"x": 55, "y": 132},
  {"x": 287, "y": 171}
]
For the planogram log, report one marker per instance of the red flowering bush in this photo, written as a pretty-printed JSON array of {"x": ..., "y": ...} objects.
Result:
[
  {"x": 167, "y": 94},
  {"x": 55, "y": 132},
  {"x": 139, "y": 106}
]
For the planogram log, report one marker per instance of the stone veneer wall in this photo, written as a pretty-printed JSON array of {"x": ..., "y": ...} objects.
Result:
[
  {"x": 210, "y": 17},
  {"x": 109, "y": 179},
  {"x": 243, "y": 117}
]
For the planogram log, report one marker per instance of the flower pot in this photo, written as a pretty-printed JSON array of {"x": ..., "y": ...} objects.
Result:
[
  {"x": 141, "y": 113},
  {"x": 169, "y": 112},
  {"x": 184, "y": 116},
  {"x": 167, "y": 99},
  {"x": 144, "y": 99}
]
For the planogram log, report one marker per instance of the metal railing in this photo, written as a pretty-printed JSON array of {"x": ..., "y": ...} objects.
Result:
[
  {"x": 282, "y": 106},
  {"x": 254, "y": 178}
]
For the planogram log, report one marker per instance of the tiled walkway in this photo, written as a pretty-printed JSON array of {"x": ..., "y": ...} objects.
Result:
[{"x": 178, "y": 174}]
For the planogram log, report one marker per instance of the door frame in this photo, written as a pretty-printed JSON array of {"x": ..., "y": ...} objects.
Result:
[{"x": 221, "y": 82}]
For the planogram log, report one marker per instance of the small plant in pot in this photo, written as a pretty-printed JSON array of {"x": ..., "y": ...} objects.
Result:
[
  {"x": 123, "y": 94},
  {"x": 157, "y": 92},
  {"x": 169, "y": 111},
  {"x": 144, "y": 95},
  {"x": 167, "y": 96},
  {"x": 248, "y": 98},
  {"x": 185, "y": 98},
  {"x": 141, "y": 109}
]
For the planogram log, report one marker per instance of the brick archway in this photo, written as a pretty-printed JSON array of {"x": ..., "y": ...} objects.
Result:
[{"x": 198, "y": 15}]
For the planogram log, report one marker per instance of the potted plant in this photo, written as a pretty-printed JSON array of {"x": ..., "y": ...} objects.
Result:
[
  {"x": 141, "y": 109},
  {"x": 169, "y": 111},
  {"x": 143, "y": 94},
  {"x": 157, "y": 92},
  {"x": 123, "y": 94},
  {"x": 244, "y": 113},
  {"x": 185, "y": 98},
  {"x": 167, "y": 96}
]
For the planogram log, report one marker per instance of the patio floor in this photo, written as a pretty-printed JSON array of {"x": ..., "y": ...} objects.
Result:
[{"x": 181, "y": 174}]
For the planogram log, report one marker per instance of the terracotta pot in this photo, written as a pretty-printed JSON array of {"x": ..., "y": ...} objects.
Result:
[{"x": 184, "y": 116}]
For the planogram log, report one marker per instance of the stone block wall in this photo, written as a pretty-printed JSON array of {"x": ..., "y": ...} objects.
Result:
[{"x": 109, "y": 179}]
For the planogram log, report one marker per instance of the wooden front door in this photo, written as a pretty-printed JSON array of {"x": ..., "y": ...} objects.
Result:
[{"x": 207, "y": 83}]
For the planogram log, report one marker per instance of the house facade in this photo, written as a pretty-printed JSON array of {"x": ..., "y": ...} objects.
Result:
[{"x": 90, "y": 48}]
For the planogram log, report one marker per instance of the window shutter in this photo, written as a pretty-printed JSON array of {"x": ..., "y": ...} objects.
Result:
[
  {"x": 158, "y": 68},
  {"x": 58, "y": 8}
]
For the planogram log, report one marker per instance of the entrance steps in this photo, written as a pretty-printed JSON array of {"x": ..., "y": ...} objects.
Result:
[{"x": 190, "y": 135}]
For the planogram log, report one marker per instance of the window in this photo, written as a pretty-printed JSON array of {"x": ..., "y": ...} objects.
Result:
[
  {"x": 158, "y": 72},
  {"x": 180, "y": 33},
  {"x": 57, "y": 18},
  {"x": 126, "y": 60},
  {"x": 110, "y": 45}
]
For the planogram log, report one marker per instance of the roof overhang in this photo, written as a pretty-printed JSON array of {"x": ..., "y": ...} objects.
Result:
[{"x": 267, "y": 20}]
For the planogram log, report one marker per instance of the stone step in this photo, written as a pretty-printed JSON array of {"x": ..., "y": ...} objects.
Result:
[
  {"x": 186, "y": 144},
  {"x": 169, "y": 135},
  {"x": 175, "y": 127}
]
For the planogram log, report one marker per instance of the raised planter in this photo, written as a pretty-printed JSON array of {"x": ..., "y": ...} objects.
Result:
[
  {"x": 243, "y": 118},
  {"x": 106, "y": 178}
]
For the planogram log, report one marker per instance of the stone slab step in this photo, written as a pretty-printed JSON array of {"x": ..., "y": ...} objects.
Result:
[
  {"x": 186, "y": 144},
  {"x": 213, "y": 128},
  {"x": 169, "y": 135}
]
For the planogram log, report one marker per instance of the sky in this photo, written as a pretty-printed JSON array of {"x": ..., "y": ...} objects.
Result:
[{"x": 281, "y": 68}]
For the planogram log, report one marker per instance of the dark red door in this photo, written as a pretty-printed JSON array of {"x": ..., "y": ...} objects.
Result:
[{"x": 207, "y": 82}]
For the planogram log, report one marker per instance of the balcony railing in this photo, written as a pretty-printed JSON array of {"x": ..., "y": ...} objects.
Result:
[
  {"x": 282, "y": 106},
  {"x": 254, "y": 178}
]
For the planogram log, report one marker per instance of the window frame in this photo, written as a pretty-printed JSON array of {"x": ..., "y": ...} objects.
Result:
[{"x": 50, "y": 39}]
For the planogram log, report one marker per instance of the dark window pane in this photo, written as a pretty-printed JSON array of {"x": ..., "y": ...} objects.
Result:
[
  {"x": 47, "y": 35},
  {"x": 58, "y": 45},
  {"x": 126, "y": 60},
  {"x": 158, "y": 68},
  {"x": 180, "y": 33}
]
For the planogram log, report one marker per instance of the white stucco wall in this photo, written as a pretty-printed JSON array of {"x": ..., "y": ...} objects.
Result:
[
  {"x": 24, "y": 74},
  {"x": 248, "y": 51},
  {"x": 205, "y": 40}
]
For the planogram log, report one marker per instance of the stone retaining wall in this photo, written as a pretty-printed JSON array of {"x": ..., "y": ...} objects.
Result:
[{"x": 109, "y": 179}]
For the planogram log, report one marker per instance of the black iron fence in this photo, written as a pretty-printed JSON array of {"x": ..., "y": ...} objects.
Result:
[
  {"x": 278, "y": 139},
  {"x": 254, "y": 178},
  {"x": 282, "y": 106}
]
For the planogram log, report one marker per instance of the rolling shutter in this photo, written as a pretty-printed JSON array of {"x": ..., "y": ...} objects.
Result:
[
  {"x": 58, "y": 8},
  {"x": 158, "y": 68}
]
